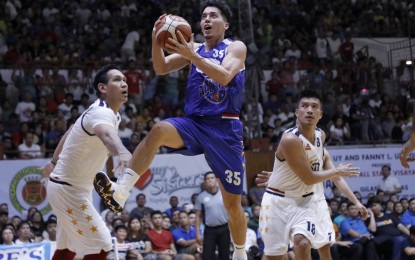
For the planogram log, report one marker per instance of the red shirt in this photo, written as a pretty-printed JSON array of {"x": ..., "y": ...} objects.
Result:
[
  {"x": 346, "y": 51},
  {"x": 160, "y": 241},
  {"x": 134, "y": 79}
]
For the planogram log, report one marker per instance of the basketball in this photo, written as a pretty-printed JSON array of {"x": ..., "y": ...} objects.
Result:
[{"x": 168, "y": 28}]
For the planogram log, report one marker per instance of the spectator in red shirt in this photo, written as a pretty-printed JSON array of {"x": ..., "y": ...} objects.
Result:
[
  {"x": 134, "y": 81},
  {"x": 274, "y": 85},
  {"x": 346, "y": 50},
  {"x": 162, "y": 244}
]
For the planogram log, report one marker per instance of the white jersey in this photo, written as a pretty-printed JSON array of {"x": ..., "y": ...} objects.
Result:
[
  {"x": 83, "y": 153},
  {"x": 283, "y": 177}
]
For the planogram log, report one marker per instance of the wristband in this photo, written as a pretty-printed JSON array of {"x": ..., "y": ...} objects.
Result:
[{"x": 54, "y": 161}]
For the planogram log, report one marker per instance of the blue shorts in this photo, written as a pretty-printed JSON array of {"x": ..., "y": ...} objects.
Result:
[{"x": 221, "y": 142}]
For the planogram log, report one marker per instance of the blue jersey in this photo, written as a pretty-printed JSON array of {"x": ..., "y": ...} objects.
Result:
[
  {"x": 207, "y": 97},
  {"x": 212, "y": 124}
]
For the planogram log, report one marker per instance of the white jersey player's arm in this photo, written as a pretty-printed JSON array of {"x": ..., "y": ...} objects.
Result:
[
  {"x": 58, "y": 149},
  {"x": 48, "y": 168},
  {"x": 291, "y": 149},
  {"x": 343, "y": 186},
  {"x": 110, "y": 138}
]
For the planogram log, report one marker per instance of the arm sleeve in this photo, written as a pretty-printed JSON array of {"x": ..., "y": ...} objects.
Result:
[
  {"x": 96, "y": 116},
  {"x": 198, "y": 203}
]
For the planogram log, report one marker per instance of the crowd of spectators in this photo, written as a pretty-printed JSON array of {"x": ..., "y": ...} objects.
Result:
[
  {"x": 388, "y": 233},
  {"x": 51, "y": 49}
]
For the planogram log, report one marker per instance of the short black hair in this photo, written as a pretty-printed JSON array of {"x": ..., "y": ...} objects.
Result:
[
  {"x": 118, "y": 227},
  {"x": 386, "y": 166},
  {"x": 102, "y": 77},
  {"x": 140, "y": 195},
  {"x": 373, "y": 200},
  {"x": 156, "y": 212},
  {"x": 207, "y": 173},
  {"x": 350, "y": 204},
  {"x": 220, "y": 4},
  {"x": 49, "y": 222},
  {"x": 309, "y": 93}
]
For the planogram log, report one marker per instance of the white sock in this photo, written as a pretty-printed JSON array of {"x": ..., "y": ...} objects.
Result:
[
  {"x": 128, "y": 178},
  {"x": 239, "y": 251}
]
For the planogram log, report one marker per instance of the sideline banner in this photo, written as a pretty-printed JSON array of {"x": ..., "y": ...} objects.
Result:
[
  {"x": 29, "y": 251},
  {"x": 172, "y": 175},
  {"x": 21, "y": 185},
  {"x": 370, "y": 161},
  {"x": 181, "y": 176}
]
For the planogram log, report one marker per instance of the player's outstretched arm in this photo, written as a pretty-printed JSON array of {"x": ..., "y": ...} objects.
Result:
[
  {"x": 112, "y": 141},
  {"x": 291, "y": 149},
  {"x": 407, "y": 148},
  {"x": 343, "y": 186}
]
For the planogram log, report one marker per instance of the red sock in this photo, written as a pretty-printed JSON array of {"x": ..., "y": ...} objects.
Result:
[
  {"x": 101, "y": 256},
  {"x": 63, "y": 254}
]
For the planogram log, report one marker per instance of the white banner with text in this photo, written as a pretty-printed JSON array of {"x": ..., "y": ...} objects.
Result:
[{"x": 178, "y": 175}]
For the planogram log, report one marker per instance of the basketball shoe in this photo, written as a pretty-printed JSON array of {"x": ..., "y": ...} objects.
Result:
[{"x": 115, "y": 194}]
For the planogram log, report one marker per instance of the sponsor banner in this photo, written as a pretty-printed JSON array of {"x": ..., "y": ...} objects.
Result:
[
  {"x": 171, "y": 175},
  {"x": 22, "y": 185},
  {"x": 370, "y": 161},
  {"x": 29, "y": 251}
]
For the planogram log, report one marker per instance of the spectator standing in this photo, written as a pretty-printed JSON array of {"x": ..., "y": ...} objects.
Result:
[
  {"x": 135, "y": 82},
  {"x": 130, "y": 44},
  {"x": 346, "y": 50},
  {"x": 389, "y": 184},
  {"x": 210, "y": 208}
]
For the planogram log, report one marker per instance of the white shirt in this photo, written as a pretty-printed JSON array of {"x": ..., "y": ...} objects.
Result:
[
  {"x": 130, "y": 40},
  {"x": 83, "y": 153},
  {"x": 285, "y": 179},
  {"x": 24, "y": 110},
  {"x": 250, "y": 239},
  {"x": 390, "y": 184},
  {"x": 33, "y": 150}
]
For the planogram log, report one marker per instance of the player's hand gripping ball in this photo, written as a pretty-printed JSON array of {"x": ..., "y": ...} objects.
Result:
[{"x": 168, "y": 27}]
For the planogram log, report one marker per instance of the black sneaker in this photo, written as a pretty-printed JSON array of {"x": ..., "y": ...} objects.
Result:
[{"x": 102, "y": 185}]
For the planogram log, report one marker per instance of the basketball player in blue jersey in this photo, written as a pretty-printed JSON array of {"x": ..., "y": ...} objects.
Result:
[{"x": 214, "y": 98}]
